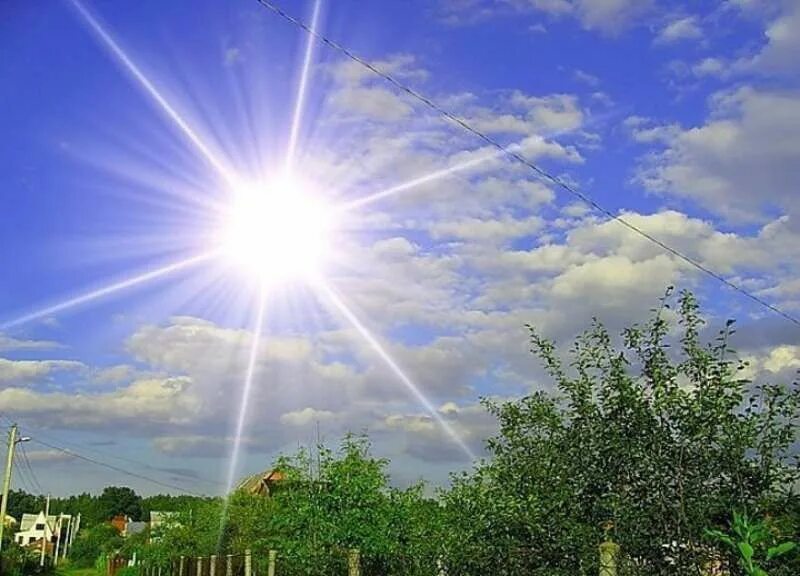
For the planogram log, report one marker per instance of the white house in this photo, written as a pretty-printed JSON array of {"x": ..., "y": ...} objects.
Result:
[{"x": 34, "y": 527}]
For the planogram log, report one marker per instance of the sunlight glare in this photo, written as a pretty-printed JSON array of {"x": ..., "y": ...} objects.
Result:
[{"x": 278, "y": 231}]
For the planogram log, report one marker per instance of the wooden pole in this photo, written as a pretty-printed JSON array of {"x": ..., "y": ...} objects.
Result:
[
  {"x": 248, "y": 563},
  {"x": 354, "y": 562},
  {"x": 199, "y": 566},
  {"x": 273, "y": 554},
  {"x": 212, "y": 569},
  {"x": 181, "y": 566},
  {"x": 229, "y": 565}
]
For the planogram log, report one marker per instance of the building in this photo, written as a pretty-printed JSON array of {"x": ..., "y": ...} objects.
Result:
[
  {"x": 263, "y": 483},
  {"x": 34, "y": 527}
]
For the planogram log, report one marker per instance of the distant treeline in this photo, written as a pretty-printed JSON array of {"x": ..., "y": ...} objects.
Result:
[{"x": 98, "y": 508}]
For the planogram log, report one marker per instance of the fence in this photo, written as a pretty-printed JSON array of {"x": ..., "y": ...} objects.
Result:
[
  {"x": 243, "y": 564},
  {"x": 229, "y": 565}
]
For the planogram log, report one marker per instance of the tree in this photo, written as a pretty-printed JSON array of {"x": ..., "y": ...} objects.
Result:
[
  {"x": 119, "y": 500},
  {"x": 656, "y": 440},
  {"x": 94, "y": 542}
]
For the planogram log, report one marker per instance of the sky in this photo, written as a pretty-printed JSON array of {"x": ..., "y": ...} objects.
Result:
[{"x": 125, "y": 123}]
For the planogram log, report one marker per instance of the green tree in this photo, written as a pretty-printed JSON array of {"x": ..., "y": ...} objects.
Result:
[
  {"x": 94, "y": 542},
  {"x": 659, "y": 437},
  {"x": 119, "y": 500}
]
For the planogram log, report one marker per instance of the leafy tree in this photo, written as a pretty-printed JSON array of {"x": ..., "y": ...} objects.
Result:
[
  {"x": 119, "y": 500},
  {"x": 656, "y": 441},
  {"x": 90, "y": 544}
]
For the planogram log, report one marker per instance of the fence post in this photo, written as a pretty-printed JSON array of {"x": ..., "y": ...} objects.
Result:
[
  {"x": 354, "y": 562},
  {"x": 608, "y": 558},
  {"x": 199, "y": 566},
  {"x": 212, "y": 569},
  {"x": 271, "y": 566},
  {"x": 181, "y": 571},
  {"x": 248, "y": 563},
  {"x": 229, "y": 565}
]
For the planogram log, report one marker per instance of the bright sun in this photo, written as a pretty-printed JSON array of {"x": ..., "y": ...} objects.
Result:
[{"x": 277, "y": 230}]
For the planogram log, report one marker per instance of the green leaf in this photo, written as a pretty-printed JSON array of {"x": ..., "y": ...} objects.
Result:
[
  {"x": 780, "y": 550},
  {"x": 721, "y": 536},
  {"x": 746, "y": 551}
]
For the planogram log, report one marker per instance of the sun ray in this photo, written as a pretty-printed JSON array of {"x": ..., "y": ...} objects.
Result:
[
  {"x": 376, "y": 346},
  {"x": 301, "y": 91},
  {"x": 246, "y": 389},
  {"x": 154, "y": 93},
  {"x": 419, "y": 181},
  {"x": 107, "y": 290}
]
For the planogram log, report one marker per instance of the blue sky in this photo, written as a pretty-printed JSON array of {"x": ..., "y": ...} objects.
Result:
[{"x": 684, "y": 118}]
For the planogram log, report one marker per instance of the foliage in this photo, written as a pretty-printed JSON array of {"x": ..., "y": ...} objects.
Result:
[
  {"x": 119, "y": 500},
  {"x": 94, "y": 542},
  {"x": 17, "y": 561},
  {"x": 325, "y": 506},
  {"x": 752, "y": 543},
  {"x": 659, "y": 440}
]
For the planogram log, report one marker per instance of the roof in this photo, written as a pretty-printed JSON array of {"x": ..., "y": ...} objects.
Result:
[
  {"x": 136, "y": 527},
  {"x": 29, "y": 520},
  {"x": 261, "y": 483}
]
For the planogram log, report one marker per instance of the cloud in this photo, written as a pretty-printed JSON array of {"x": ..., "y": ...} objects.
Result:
[
  {"x": 32, "y": 371},
  {"x": 49, "y": 456},
  {"x": 306, "y": 417},
  {"x": 9, "y": 344},
  {"x": 141, "y": 405},
  {"x": 686, "y": 28},
  {"x": 743, "y": 163}
]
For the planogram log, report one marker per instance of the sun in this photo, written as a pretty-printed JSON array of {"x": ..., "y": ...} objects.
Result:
[{"x": 278, "y": 230}]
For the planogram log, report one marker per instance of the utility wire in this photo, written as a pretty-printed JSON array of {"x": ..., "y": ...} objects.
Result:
[
  {"x": 23, "y": 476},
  {"x": 27, "y": 463},
  {"x": 541, "y": 172},
  {"x": 115, "y": 468},
  {"x": 83, "y": 447}
]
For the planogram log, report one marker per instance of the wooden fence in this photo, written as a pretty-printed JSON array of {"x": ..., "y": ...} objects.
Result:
[{"x": 231, "y": 565}]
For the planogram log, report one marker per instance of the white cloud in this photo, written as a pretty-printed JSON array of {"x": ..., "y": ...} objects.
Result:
[
  {"x": 31, "y": 371},
  {"x": 141, "y": 405},
  {"x": 306, "y": 417},
  {"x": 9, "y": 344},
  {"x": 686, "y": 28},
  {"x": 743, "y": 163}
]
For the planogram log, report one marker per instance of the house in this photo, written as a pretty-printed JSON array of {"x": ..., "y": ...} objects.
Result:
[
  {"x": 135, "y": 528},
  {"x": 263, "y": 483},
  {"x": 120, "y": 523},
  {"x": 34, "y": 527}
]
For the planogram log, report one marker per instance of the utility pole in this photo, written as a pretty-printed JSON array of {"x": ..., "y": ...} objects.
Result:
[
  {"x": 58, "y": 538},
  {"x": 12, "y": 444},
  {"x": 12, "y": 440},
  {"x": 44, "y": 536}
]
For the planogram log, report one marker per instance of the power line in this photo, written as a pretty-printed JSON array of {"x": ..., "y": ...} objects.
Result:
[
  {"x": 541, "y": 172},
  {"x": 27, "y": 463},
  {"x": 70, "y": 444},
  {"x": 114, "y": 468},
  {"x": 22, "y": 474}
]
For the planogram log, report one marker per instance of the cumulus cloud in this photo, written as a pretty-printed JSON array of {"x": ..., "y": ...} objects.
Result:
[
  {"x": 686, "y": 28},
  {"x": 9, "y": 344},
  {"x": 32, "y": 371},
  {"x": 742, "y": 163}
]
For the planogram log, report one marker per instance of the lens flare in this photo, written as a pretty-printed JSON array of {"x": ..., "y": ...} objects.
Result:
[
  {"x": 154, "y": 93},
  {"x": 109, "y": 289},
  {"x": 393, "y": 366},
  {"x": 278, "y": 231}
]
